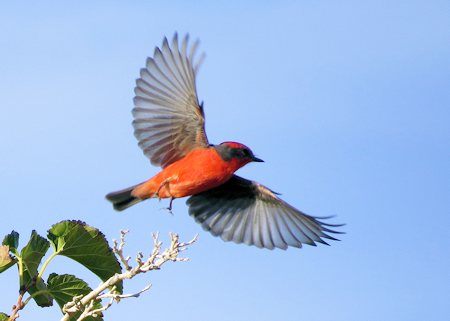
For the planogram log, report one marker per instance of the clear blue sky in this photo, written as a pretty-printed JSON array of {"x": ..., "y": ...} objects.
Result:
[{"x": 348, "y": 102}]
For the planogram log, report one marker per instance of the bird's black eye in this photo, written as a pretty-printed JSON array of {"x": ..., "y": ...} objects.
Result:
[{"x": 247, "y": 153}]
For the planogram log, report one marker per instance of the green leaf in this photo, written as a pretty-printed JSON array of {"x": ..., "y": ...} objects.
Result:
[
  {"x": 32, "y": 255},
  {"x": 65, "y": 287},
  {"x": 86, "y": 245},
  {"x": 42, "y": 299},
  {"x": 34, "y": 251},
  {"x": 6, "y": 261},
  {"x": 4, "y": 316},
  {"x": 12, "y": 240}
]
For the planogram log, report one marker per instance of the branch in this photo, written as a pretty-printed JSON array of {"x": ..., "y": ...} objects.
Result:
[
  {"x": 17, "y": 307},
  {"x": 85, "y": 304},
  {"x": 118, "y": 250}
]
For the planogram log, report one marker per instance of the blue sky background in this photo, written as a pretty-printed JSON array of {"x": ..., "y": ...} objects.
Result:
[{"x": 348, "y": 102}]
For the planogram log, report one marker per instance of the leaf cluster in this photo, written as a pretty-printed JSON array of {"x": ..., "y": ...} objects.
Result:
[{"x": 73, "y": 239}]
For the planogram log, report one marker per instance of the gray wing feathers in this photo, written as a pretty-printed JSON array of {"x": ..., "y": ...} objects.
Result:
[
  {"x": 243, "y": 211},
  {"x": 168, "y": 120}
]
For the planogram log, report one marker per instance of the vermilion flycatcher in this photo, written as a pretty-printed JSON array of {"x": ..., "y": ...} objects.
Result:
[{"x": 169, "y": 124}]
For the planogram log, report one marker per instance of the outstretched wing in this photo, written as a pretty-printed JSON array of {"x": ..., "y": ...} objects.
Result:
[
  {"x": 168, "y": 120},
  {"x": 243, "y": 211}
]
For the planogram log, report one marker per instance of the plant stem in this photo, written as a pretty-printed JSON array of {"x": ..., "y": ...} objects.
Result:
[
  {"x": 41, "y": 272},
  {"x": 16, "y": 308},
  {"x": 34, "y": 295},
  {"x": 20, "y": 264}
]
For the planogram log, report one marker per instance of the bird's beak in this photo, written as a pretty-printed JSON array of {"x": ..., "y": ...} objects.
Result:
[{"x": 256, "y": 159}]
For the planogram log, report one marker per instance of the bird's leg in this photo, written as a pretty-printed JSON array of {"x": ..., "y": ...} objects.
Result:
[
  {"x": 171, "y": 200},
  {"x": 170, "y": 205},
  {"x": 165, "y": 184}
]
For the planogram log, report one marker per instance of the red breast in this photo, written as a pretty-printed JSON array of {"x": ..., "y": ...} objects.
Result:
[{"x": 200, "y": 170}]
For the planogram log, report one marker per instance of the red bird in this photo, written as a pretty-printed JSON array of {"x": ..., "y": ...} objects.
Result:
[{"x": 169, "y": 124}]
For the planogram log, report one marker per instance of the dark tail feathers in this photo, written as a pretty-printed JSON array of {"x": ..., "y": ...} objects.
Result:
[{"x": 123, "y": 199}]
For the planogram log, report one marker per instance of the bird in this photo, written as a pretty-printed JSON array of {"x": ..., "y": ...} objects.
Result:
[{"x": 169, "y": 124}]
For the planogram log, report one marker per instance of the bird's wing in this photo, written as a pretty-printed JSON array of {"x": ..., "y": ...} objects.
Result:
[
  {"x": 168, "y": 120},
  {"x": 243, "y": 211}
]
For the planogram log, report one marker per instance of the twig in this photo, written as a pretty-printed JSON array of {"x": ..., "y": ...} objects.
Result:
[
  {"x": 156, "y": 259},
  {"x": 17, "y": 307},
  {"x": 117, "y": 297},
  {"x": 118, "y": 250}
]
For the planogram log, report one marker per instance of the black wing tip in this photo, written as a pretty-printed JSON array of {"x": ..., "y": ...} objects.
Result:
[
  {"x": 320, "y": 219},
  {"x": 322, "y": 242},
  {"x": 329, "y": 237},
  {"x": 157, "y": 52},
  {"x": 175, "y": 39},
  {"x": 147, "y": 61},
  {"x": 325, "y": 217}
]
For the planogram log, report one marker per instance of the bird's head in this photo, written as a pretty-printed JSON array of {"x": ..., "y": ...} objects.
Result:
[{"x": 236, "y": 153}]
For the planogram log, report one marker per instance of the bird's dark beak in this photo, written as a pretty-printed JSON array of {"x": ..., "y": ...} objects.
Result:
[{"x": 256, "y": 159}]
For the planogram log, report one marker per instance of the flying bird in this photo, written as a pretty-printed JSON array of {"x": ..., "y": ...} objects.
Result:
[{"x": 169, "y": 124}]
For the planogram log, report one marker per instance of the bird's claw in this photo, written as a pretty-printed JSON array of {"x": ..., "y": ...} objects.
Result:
[{"x": 169, "y": 209}]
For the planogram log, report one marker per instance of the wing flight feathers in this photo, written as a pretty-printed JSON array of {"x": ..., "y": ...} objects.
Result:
[
  {"x": 247, "y": 212},
  {"x": 168, "y": 119}
]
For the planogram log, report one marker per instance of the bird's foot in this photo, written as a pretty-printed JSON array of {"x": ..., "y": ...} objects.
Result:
[{"x": 169, "y": 209}]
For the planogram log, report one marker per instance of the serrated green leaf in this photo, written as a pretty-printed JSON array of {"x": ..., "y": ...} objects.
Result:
[
  {"x": 65, "y": 287},
  {"x": 12, "y": 240},
  {"x": 4, "y": 316},
  {"x": 32, "y": 255},
  {"x": 32, "y": 285},
  {"x": 86, "y": 245},
  {"x": 34, "y": 251},
  {"x": 6, "y": 261}
]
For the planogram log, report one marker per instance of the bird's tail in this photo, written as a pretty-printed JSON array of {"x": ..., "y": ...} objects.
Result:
[{"x": 123, "y": 199}]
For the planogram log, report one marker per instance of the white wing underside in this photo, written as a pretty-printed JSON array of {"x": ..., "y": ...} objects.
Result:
[{"x": 168, "y": 120}]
